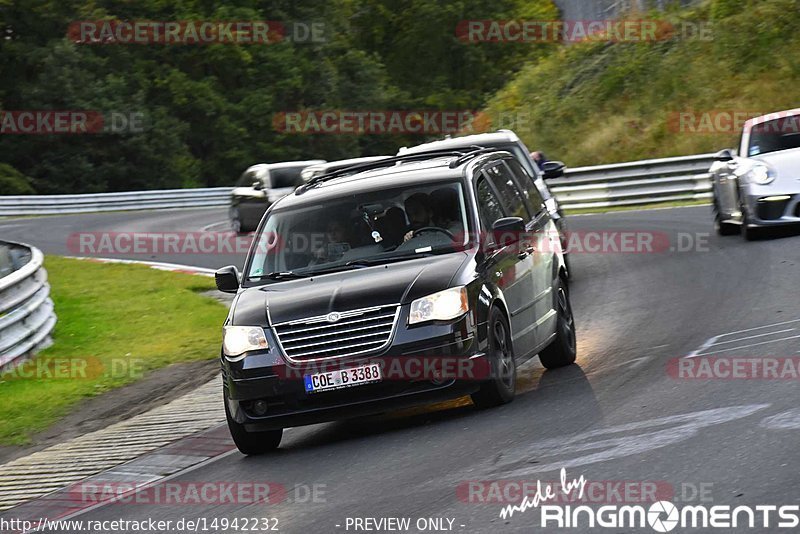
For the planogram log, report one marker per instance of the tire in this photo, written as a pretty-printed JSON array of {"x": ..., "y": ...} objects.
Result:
[
  {"x": 724, "y": 228},
  {"x": 501, "y": 388},
  {"x": 568, "y": 265},
  {"x": 749, "y": 233},
  {"x": 563, "y": 350},
  {"x": 236, "y": 220},
  {"x": 252, "y": 443}
]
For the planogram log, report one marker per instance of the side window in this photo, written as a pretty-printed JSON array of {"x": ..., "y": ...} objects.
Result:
[
  {"x": 246, "y": 179},
  {"x": 529, "y": 190},
  {"x": 488, "y": 204},
  {"x": 510, "y": 197},
  {"x": 286, "y": 177}
]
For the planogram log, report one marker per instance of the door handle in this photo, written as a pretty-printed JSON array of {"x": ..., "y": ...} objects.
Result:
[{"x": 527, "y": 252}]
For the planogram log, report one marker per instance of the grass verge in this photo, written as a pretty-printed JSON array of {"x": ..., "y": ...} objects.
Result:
[
  {"x": 115, "y": 323},
  {"x": 602, "y": 102}
]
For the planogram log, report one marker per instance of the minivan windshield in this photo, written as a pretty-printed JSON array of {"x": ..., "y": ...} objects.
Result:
[{"x": 362, "y": 229}]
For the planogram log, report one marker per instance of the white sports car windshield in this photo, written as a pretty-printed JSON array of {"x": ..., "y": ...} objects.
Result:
[{"x": 775, "y": 135}]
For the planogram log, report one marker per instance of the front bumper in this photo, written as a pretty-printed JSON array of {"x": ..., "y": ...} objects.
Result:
[
  {"x": 423, "y": 364},
  {"x": 772, "y": 208}
]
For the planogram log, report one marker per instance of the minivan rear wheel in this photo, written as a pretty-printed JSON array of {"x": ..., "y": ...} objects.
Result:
[
  {"x": 252, "y": 443},
  {"x": 501, "y": 387},
  {"x": 563, "y": 350}
]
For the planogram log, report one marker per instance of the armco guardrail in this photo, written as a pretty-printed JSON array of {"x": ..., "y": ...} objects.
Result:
[
  {"x": 634, "y": 183},
  {"x": 136, "y": 200},
  {"x": 27, "y": 316},
  {"x": 619, "y": 184}
]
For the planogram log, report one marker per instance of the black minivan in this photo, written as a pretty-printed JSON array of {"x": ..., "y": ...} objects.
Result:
[{"x": 405, "y": 281}]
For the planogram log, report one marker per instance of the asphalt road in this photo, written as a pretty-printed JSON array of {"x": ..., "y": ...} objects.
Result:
[
  {"x": 61, "y": 234},
  {"x": 621, "y": 414}
]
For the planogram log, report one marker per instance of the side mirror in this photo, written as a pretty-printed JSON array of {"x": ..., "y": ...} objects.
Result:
[
  {"x": 553, "y": 169},
  {"x": 227, "y": 279},
  {"x": 258, "y": 186},
  {"x": 724, "y": 155},
  {"x": 508, "y": 230}
]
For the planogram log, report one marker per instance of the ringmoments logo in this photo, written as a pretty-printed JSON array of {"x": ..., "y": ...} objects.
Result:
[{"x": 660, "y": 516}]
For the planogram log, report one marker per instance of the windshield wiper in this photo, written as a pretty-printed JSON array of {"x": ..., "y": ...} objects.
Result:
[
  {"x": 336, "y": 268},
  {"x": 279, "y": 275},
  {"x": 388, "y": 259}
]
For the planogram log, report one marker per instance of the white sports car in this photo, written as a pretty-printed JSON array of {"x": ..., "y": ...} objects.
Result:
[{"x": 758, "y": 185}]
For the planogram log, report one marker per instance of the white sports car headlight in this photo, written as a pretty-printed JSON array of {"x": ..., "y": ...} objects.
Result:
[
  {"x": 236, "y": 340},
  {"x": 442, "y": 306},
  {"x": 760, "y": 174}
]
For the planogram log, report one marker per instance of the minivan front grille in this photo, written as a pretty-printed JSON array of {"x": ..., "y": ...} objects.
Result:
[{"x": 337, "y": 334}]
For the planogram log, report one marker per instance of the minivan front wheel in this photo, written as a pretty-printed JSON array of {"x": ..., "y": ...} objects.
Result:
[
  {"x": 501, "y": 387},
  {"x": 252, "y": 443},
  {"x": 563, "y": 350}
]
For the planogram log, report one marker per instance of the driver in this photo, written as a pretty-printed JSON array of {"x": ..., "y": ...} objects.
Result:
[
  {"x": 335, "y": 243},
  {"x": 419, "y": 212}
]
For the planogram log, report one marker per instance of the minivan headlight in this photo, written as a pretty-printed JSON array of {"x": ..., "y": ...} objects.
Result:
[
  {"x": 236, "y": 340},
  {"x": 442, "y": 306}
]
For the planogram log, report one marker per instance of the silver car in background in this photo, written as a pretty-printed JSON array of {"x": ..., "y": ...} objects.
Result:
[
  {"x": 333, "y": 166},
  {"x": 758, "y": 185},
  {"x": 261, "y": 185}
]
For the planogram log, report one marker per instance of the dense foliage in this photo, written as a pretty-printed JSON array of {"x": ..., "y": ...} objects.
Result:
[
  {"x": 207, "y": 110},
  {"x": 593, "y": 103}
]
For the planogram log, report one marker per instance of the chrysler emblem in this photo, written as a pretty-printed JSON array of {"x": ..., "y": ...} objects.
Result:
[{"x": 333, "y": 317}]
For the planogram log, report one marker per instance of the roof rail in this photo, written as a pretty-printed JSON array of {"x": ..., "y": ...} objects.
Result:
[
  {"x": 470, "y": 155},
  {"x": 421, "y": 156}
]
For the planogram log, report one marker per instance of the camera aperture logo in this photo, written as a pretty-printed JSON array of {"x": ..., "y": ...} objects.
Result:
[{"x": 663, "y": 516}]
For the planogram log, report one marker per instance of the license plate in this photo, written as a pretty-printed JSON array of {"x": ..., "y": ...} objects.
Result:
[{"x": 342, "y": 378}]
